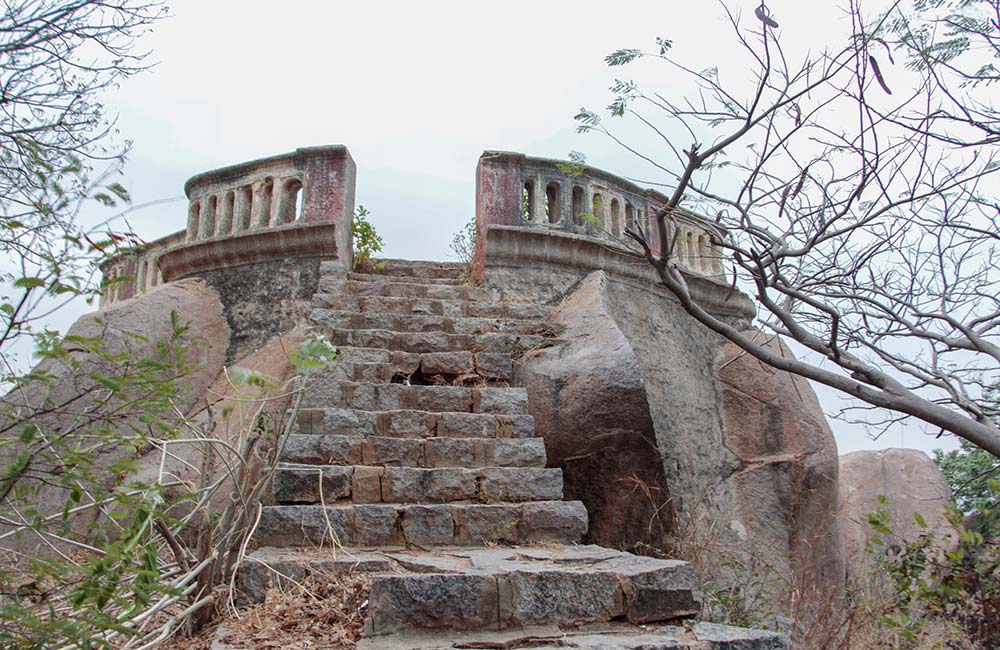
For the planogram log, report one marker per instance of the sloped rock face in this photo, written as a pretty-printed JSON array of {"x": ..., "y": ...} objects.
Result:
[
  {"x": 195, "y": 305},
  {"x": 238, "y": 409},
  {"x": 786, "y": 485},
  {"x": 911, "y": 483},
  {"x": 741, "y": 461},
  {"x": 588, "y": 398}
]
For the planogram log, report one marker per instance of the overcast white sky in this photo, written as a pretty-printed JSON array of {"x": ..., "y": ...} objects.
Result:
[{"x": 416, "y": 90}]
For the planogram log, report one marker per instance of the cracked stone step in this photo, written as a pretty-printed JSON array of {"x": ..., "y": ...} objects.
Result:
[
  {"x": 693, "y": 636},
  {"x": 396, "y": 288},
  {"x": 496, "y": 588},
  {"x": 428, "y": 306},
  {"x": 311, "y": 484},
  {"x": 409, "y": 279},
  {"x": 427, "y": 322},
  {"x": 381, "y": 366},
  {"x": 448, "y": 524},
  {"x": 407, "y": 423},
  {"x": 321, "y": 393},
  {"x": 319, "y": 449},
  {"x": 400, "y": 289},
  {"x": 395, "y": 267},
  {"x": 425, "y": 342}
]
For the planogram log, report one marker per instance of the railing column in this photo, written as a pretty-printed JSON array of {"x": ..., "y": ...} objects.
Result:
[
  {"x": 260, "y": 217},
  {"x": 206, "y": 228},
  {"x": 328, "y": 180},
  {"x": 499, "y": 188}
]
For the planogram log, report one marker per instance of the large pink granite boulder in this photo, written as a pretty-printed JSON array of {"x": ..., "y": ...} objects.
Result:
[
  {"x": 911, "y": 484},
  {"x": 674, "y": 438}
]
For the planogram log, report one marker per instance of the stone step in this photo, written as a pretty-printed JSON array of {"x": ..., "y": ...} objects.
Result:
[
  {"x": 420, "y": 268},
  {"x": 428, "y": 323},
  {"x": 378, "y": 365},
  {"x": 448, "y": 524},
  {"x": 429, "y": 306},
  {"x": 397, "y": 288},
  {"x": 321, "y": 393},
  {"x": 300, "y": 483},
  {"x": 490, "y": 589},
  {"x": 409, "y": 279},
  {"x": 425, "y": 342},
  {"x": 615, "y": 636},
  {"x": 440, "y": 371},
  {"x": 406, "y": 423},
  {"x": 413, "y": 452}
]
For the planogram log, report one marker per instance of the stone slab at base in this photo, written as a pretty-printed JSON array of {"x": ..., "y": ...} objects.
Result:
[
  {"x": 699, "y": 636},
  {"x": 494, "y": 588}
]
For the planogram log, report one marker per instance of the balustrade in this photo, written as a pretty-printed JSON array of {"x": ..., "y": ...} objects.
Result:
[
  {"x": 296, "y": 204},
  {"x": 259, "y": 197},
  {"x": 516, "y": 190}
]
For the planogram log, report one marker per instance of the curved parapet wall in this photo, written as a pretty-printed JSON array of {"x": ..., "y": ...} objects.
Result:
[
  {"x": 292, "y": 205},
  {"x": 570, "y": 198},
  {"x": 137, "y": 271}
]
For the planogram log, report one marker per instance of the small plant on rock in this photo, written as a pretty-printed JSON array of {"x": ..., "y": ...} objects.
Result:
[
  {"x": 366, "y": 239},
  {"x": 463, "y": 247}
]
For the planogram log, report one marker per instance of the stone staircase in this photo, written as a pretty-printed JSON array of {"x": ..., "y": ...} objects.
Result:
[{"x": 415, "y": 460}]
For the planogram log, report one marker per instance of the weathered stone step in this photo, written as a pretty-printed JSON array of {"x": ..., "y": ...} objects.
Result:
[
  {"x": 414, "y": 452},
  {"x": 298, "y": 483},
  {"x": 448, "y": 524},
  {"x": 428, "y": 323},
  {"x": 421, "y": 268},
  {"x": 321, "y": 393},
  {"x": 429, "y": 306},
  {"x": 425, "y": 342},
  {"x": 495, "y": 588},
  {"x": 397, "y": 288},
  {"x": 379, "y": 365},
  {"x": 446, "y": 370},
  {"x": 408, "y": 279},
  {"x": 400, "y": 289},
  {"x": 617, "y": 636},
  {"x": 406, "y": 423}
]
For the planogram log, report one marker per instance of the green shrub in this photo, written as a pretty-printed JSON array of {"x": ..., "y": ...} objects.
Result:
[
  {"x": 929, "y": 584},
  {"x": 366, "y": 239}
]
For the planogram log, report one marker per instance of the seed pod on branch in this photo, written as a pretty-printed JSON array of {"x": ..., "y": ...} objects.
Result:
[{"x": 761, "y": 14}]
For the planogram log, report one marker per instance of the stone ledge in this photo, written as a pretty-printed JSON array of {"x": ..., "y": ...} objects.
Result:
[
  {"x": 463, "y": 588},
  {"x": 515, "y": 246},
  {"x": 292, "y": 160},
  {"x": 318, "y": 239}
]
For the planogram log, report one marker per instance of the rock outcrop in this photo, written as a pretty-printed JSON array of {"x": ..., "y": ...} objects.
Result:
[
  {"x": 588, "y": 398},
  {"x": 911, "y": 484},
  {"x": 786, "y": 485},
  {"x": 663, "y": 429}
]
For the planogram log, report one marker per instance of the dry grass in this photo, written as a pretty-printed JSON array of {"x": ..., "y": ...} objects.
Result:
[{"x": 322, "y": 612}]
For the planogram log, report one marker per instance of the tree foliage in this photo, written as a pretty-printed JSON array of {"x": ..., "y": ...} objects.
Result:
[
  {"x": 970, "y": 471},
  {"x": 58, "y": 146}
]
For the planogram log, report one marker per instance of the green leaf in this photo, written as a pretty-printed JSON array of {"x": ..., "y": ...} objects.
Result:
[
  {"x": 29, "y": 283},
  {"x": 621, "y": 57}
]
